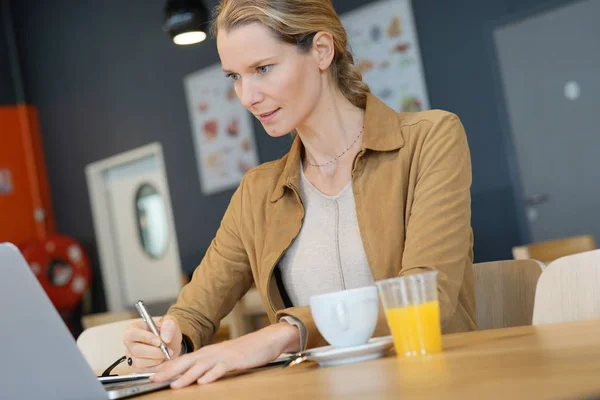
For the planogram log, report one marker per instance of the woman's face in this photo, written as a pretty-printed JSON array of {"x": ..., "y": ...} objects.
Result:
[{"x": 274, "y": 80}]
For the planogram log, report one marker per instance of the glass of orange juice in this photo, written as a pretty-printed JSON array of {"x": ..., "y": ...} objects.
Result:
[{"x": 412, "y": 311}]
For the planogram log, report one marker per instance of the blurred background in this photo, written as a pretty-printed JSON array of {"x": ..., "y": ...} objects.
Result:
[{"x": 82, "y": 82}]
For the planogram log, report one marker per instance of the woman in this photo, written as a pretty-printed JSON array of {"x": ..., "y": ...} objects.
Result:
[{"x": 364, "y": 194}]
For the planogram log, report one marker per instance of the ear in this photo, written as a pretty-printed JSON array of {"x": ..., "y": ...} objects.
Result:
[{"x": 323, "y": 49}]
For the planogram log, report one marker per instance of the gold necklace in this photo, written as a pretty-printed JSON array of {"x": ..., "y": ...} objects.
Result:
[{"x": 339, "y": 155}]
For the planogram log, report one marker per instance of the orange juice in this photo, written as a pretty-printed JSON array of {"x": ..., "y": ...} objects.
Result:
[{"x": 416, "y": 328}]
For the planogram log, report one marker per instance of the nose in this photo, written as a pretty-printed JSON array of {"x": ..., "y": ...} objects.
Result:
[{"x": 249, "y": 93}]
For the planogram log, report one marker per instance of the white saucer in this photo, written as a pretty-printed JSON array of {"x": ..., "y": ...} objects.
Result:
[{"x": 328, "y": 356}]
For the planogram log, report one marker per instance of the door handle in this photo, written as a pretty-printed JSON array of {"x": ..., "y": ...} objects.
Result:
[{"x": 536, "y": 199}]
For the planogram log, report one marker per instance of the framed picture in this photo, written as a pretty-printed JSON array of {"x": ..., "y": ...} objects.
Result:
[
  {"x": 384, "y": 43},
  {"x": 222, "y": 130}
]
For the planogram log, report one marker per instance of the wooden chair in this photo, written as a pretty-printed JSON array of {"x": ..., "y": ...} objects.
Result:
[
  {"x": 97, "y": 319},
  {"x": 505, "y": 292},
  {"x": 569, "y": 290},
  {"x": 553, "y": 249}
]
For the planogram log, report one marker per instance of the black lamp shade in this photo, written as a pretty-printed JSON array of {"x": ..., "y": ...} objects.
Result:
[{"x": 186, "y": 17}]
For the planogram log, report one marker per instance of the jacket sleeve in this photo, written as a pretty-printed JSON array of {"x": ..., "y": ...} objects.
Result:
[
  {"x": 438, "y": 225},
  {"x": 438, "y": 232},
  {"x": 221, "y": 279}
]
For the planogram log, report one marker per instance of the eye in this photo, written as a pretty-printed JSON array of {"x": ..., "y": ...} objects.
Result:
[
  {"x": 233, "y": 77},
  {"x": 264, "y": 69}
]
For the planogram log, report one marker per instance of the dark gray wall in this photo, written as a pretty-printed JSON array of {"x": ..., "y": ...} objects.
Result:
[
  {"x": 460, "y": 69},
  {"x": 106, "y": 79},
  {"x": 7, "y": 92}
]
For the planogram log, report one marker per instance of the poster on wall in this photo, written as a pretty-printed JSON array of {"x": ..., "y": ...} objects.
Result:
[
  {"x": 383, "y": 40},
  {"x": 222, "y": 130}
]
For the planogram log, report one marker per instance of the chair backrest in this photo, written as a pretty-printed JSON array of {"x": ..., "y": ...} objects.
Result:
[
  {"x": 553, "y": 249},
  {"x": 505, "y": 292},
  {"x": 91, "y": 320},
  {"x": 103, "y": 344},
  {"x": 569, "y": 290}
]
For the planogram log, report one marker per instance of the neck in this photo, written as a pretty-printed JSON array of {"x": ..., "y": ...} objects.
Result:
[{"x": 332, "y": 129}]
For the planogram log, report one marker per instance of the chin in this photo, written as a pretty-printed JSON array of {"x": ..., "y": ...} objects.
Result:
[{"x": 276, "y": 131}]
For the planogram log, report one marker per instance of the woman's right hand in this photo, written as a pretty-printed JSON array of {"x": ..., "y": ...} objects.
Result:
[{"x": 143, "y": 346}]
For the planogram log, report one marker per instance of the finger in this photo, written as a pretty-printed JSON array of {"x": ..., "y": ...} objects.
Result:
[
  {"x": 141, "y": 350},
  {"x": 193, "y": 374},
  {"x": 134, "y": 334},
  {"x": 168, "y": 329},
  {"x": 141, "y": 324},
  {"x": 212, "y": 375},
  {"x": 175, "y": 367}
]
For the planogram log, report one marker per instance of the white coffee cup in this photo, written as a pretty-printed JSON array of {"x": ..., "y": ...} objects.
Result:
[{"x": 348, "y": 317}]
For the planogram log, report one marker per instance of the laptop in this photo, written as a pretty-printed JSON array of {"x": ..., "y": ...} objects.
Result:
[{"x": 39, "y": 356}]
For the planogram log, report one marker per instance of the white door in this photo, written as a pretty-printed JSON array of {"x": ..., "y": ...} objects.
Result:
[
  {"x": 550, "y": 66},
  {"x": 143, "y": 231}
]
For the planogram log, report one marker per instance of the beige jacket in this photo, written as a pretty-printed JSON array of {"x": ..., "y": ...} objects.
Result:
[{"x": 411, "y": 182}]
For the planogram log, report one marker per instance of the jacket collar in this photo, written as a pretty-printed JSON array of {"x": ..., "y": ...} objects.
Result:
[{"x": 381, "y": 133}]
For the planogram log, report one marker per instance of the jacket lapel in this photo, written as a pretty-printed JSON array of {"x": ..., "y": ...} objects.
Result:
[{"x": 284, "y": 224}]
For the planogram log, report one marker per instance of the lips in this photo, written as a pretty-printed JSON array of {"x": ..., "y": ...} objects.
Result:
[{"x": 268, "y": 116}]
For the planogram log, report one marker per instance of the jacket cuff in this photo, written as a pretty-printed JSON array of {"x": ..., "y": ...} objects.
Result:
[
  {"x": 186, "y": 345},
  {"x": 304, "y": 316},
  {"x": 301, "y": 328}
]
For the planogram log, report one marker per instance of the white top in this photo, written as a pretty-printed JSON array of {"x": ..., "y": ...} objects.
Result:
[{"x": 328, "y": 253}]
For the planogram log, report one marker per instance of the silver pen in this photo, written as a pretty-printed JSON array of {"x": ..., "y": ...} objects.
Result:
[{"x": 141, "y": 308}]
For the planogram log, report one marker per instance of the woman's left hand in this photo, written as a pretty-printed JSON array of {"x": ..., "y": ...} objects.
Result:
[{"x": 211, "y": 362}]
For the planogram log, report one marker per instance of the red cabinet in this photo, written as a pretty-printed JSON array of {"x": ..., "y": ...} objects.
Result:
[{"x": 25, "y": 207}]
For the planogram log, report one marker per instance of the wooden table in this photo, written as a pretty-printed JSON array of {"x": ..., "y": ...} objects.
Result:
[{"x": 546, "y": 362}]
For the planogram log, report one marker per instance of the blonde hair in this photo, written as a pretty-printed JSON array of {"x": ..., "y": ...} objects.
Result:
[{"x": 296, "y": 22}]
